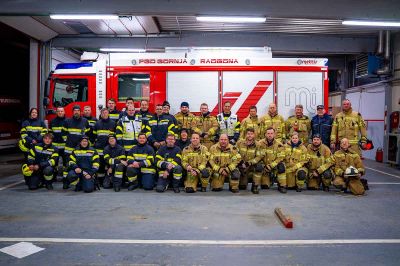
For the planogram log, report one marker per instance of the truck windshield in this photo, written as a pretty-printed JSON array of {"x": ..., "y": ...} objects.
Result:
[
  {"x": 133, "y": 85},
  {"x": 67, "y": 91}
]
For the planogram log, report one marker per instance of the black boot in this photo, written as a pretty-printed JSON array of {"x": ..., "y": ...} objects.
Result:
[
  {"x": 203, "y": 189},
  {"x": 254, "y": 189},
  {"x": 298, "y": 189},
  {"x": 234, "y": 190},
  {"x": 176, "y": 189},
  {"x": 133, "y": 185},
  {"x": 189, "y": 190},
  {"x": 242, "y": 187},
  {"x": 65, "y": 184},
  {"x": 117, "y": 188},
  {"x": 49, "y": 186},
  {"x": 282, "y": 189},
  {"x": 264, "y": 187},
  {"x": 217, "y": 189},
  {"x": 325, "y": 188}
]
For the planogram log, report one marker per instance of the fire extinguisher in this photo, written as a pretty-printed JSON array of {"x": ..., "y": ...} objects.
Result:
[
  {"x": 394, "y": 121},
  {"x": 379, "y": 155}
]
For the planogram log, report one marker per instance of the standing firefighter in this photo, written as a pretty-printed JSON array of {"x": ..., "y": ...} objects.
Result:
[
  {"x": 185, "y": 119},
  {"x": 128, "y": 129},
  {"x": 140, "y": 165},
  {"x": 206, "y": 126},
  {"x": 321, "y": 124},
  {"x": 273, "y": 155},
  {"x": 348, "y": 169},
  {"x": 299, "y": 123},
  {"x": 40, "y": 167},
  {"x": 56, "y": 128},
  {"x": 116, "y": 162},
  {"x": 87, "y": 113},
  {"x": 83, "y": 165},
  {"x": 32, "y": 131},
  {"x": 102, "y": 129},
  {"x": 229, "y": 124},
  {"x": 252, "y": 121},
  {"x": 295, "y": 162},
  {"x": 194, "y": 161},
  {"x": 350, "y": 125},
  {"x": 73, "y": 130},
  {"x": 224, "y": 159},
  {"x": 168, "y": 161},
  {"x": 274, "y": 120},
  {"x": 250, "y": 166},
  {"x": 318, "y": 166},
  {"x": 160, "y": 125}
]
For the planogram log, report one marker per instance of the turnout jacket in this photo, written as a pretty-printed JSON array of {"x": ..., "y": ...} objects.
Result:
[
  {"x": 144, "y": 154},
  {"x": 43, "y": 155},
  {"x": 101, "y": 130},
  {"x": 85, "y": 158},
  {"x": 114, "y": 155},
  {"x": 56, "y": 128},
  {"x": 167, "y": 155},
  {"x": 73, "y": 131}
]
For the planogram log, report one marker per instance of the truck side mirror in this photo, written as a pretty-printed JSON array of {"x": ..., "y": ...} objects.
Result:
[{"x": 46, "y": 101}]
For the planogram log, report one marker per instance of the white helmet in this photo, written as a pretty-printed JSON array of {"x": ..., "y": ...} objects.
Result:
[{"x": 351, "y": 171}]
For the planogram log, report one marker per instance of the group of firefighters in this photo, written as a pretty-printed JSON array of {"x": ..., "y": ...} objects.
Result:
[{"x": 132, "y": 149}]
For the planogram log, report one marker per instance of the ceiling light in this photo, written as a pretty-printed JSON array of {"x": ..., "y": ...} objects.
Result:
[
  {"x": 371, "y": 23},
  {"x": 230, "y": 19},
  {"x": 131, "y": 50},
  {"x": 87, "y": 16}
]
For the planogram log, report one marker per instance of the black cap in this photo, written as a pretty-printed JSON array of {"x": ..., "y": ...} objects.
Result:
[
  {"x": 316, "y": 136},
  {"x": 184, "y": 104},
  {"x": 76, "y": 107},
  {"x": 166, "y": 103},
  {"x": 320, "y": 107},
  {"x": 112, "y": 135},
  {"x": 84, "y": 137}
]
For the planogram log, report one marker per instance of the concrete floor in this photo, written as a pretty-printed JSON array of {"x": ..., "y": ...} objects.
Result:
[{"x": 139, "y": 215}]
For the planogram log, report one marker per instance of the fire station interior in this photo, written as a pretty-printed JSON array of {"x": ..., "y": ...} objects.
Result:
[{"x": 360, "y": 41}]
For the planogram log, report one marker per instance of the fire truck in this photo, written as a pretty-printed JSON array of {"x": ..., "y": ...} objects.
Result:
[{"x": 243, "y": 76}]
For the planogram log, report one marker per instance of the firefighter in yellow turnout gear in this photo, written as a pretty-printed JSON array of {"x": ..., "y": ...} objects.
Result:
[
  {"x": 272, "y": 119},
  {"x": 319, "y": 156},
  {"x": 206, "y": 126},
  {"x": 299, "y": 123},
  {"x": 252, "y": 121},
  {"x": 250, "y": 166},
  {"x": 295, "y": 163},
  {"x": 350, "y": 125},
  {"x": 194, "y": 161},
  {"x": 273, "y": 155},
  {"x": 185, "y": 119},
  {"x": 343, "y": 159},
  {"x": 224, "y": 159}
]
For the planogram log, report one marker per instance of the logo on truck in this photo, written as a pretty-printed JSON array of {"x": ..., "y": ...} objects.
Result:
[{"x": 306, "y": 96}]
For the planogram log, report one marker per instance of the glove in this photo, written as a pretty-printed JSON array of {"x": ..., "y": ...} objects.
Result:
[
  {"x": 268, "y": 168},
  {"x": 203, "y": 134}
]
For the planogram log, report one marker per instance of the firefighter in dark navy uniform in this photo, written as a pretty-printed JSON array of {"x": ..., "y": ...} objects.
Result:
[
  {"x": 40, "y": 167},
  {"x": 73, "y": 130},
  {"x": 83, "y": 166},
  {"x": 32, "y": 131}
]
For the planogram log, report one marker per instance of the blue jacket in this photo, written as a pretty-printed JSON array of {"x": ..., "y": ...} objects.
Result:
[{"x": 323, "y": 126}]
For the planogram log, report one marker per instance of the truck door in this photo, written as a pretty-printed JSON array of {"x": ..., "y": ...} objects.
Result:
[
  {"x": 129, "y": 85},
  {"x": 68, "y": 90}
]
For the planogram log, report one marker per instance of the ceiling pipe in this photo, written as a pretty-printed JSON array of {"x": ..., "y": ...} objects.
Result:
[
  {"x": 385, "y": 70},
  {"x": 380, "y": 43},
  {"x": 387, "y": 45}
]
